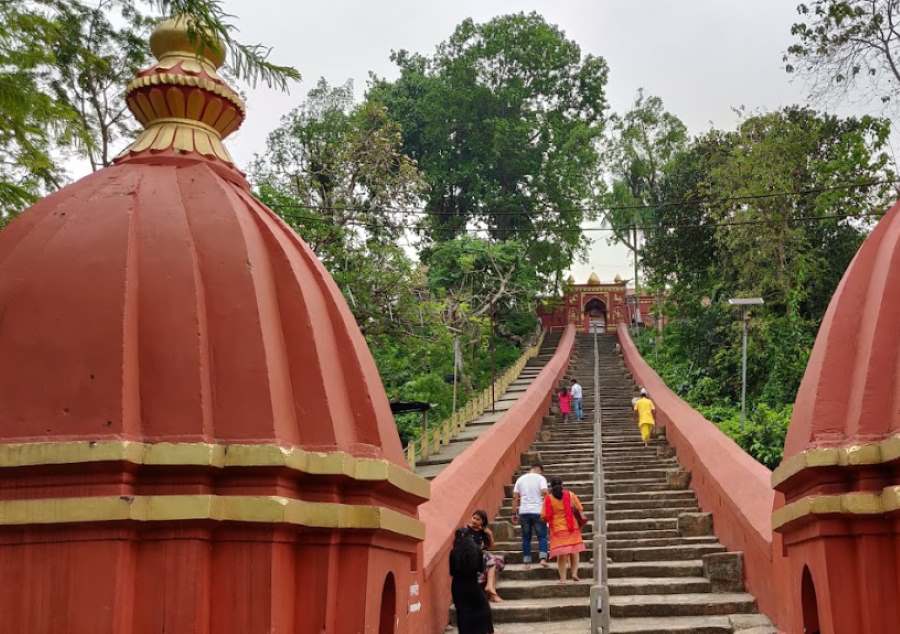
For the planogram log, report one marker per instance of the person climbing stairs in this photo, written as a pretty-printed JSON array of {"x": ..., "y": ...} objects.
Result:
[
  {"x": 665, "y": 566},
  {"x": 659, "y": 545}
]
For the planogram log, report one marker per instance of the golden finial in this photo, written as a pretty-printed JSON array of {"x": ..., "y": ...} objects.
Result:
[
  {"x": 171, "y": 39},
  {"x": 182, "y": 102},
  {"x": 593, "y": 279}
]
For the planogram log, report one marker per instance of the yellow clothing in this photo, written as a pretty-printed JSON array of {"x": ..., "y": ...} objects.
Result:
[
  {"x": 646, "y": 429},
  {"x": 645, "y": 408}
]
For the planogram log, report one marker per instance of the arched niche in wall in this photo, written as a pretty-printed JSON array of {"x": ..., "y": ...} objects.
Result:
[
  {"x": 387, "y": 622},
  {"x": 809, "y": 603}
]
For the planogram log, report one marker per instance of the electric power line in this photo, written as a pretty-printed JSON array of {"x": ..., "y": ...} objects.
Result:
[
  {"x": 711, "y": 225},
  {"x": 422, "y": 211}
]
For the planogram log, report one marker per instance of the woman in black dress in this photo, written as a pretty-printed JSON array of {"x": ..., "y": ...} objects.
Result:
[{"x": 473, "y": 612}]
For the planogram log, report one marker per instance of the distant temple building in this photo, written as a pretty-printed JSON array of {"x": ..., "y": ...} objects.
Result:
[{"x": 596, "y": 306}]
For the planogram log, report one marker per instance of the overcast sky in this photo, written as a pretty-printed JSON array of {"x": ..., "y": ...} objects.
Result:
[{"x": 702, "y": 57}]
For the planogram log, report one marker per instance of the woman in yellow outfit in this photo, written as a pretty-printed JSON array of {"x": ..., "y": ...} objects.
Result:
[{"x": 643, "y": 411}]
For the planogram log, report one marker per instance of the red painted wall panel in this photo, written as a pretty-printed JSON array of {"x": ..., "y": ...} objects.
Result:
[{"x": 728, "y": 482}]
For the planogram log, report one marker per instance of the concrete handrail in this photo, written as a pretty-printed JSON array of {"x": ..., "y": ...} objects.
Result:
[{"x": 728, "y": 482}]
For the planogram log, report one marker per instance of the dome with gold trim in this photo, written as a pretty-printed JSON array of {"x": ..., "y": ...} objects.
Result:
[
  {"x": 850, "y": 393},
  {"x": 157, "y": 300}
]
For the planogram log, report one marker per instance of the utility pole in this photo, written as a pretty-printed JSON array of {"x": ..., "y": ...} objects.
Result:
[
  {"x": 493, "y": 365},
  {"x": 745, "y": 304}
]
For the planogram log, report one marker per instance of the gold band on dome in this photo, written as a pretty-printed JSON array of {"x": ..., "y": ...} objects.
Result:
[
  {"x": 881, "y": 452},
  {"x": 219, "y": 508},
  {"x": 331, "y": 463},
  {"x": 860, "y": 503}
]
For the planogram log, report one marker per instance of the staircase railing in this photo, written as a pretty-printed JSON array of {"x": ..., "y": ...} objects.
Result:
[
  {"x": 600, "y": 590},
  {"x": 431, "y": 440}
]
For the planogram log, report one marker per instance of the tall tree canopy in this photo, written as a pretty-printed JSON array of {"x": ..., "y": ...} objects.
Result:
[
  {"x": 334, "y": 171},
  {"x": 638, "y": 153},
  {"x": 777, "y": 209},
  {"x": 502, "y": 121},
  {"x": 845, "y": 43}
]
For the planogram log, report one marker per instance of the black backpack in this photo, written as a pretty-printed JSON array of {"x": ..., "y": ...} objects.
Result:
[{"x": 465, "y": 558}]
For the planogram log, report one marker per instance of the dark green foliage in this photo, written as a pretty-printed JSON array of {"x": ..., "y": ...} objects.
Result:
[
  {"x": 335, "y": 172},
  {"x": 729, "y": 230},
  {"x": 64, "y": 65},
  {"x": 502, "y": 121}
]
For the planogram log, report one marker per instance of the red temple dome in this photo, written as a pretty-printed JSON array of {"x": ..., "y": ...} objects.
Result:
[
  {"x": 158, "y": 300},
  {"x": 850, "y": 393}
]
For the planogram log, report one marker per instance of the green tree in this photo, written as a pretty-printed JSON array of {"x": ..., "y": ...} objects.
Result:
[
  {"x": 63, "y": 67},
  {"x": 776, "y": 245},
  {"x": 842, "y": 44},
  {"x": 334, "y": 171},
  {"x": 639, "y": 150},
  {"x": 502, "y": 120},
  {"x": 776, "y": 208},
  {"x": 478, "y": 278}
]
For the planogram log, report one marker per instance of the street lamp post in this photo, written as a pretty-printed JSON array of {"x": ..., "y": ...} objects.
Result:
[{"x": 744, "y": 303}]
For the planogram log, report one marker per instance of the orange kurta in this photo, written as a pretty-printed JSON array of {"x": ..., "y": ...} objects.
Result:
[{"x": 562, "y": 540}]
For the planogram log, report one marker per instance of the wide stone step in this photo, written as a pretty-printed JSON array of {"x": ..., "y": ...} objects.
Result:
[
  {"x": 514, "y": 554},
  {"x": 541, "y": 589},
  {"x": 643, "y": 542},
  {"x": 639, "y": 514},
  {"x": 537, "y": 610},
  {"x": 623, "y": 505},
  {"x": 671, "y": 494},
  {"x": 672, "y": 625},
  {"x": 700, "y": 604},
  {"x": 636, "y": 486},
  {"x": 518, "y": 571},
  {"x": 664, "y": 553},
  {"x": 658, "y": 585},
  {"x": 685, "y": 568},
  {"x": 633, "y": 526},
  {"x": 645, "y": 474}
]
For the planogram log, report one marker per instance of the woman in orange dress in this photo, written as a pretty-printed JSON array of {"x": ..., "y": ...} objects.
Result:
[{"x": 564, "y": 515}]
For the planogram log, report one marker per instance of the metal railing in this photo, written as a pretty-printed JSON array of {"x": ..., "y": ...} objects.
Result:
[
  {"x": 600, "y": 589},
  {"x": 431, "y": 440}
]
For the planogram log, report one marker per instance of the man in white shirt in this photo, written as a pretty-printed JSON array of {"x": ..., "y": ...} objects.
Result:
[
  {"x": 528, "y": 500},
  {"x": 577, "y": 394}
]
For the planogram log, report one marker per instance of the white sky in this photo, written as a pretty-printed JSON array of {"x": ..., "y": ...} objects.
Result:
[{"x": 702, "y": 57}]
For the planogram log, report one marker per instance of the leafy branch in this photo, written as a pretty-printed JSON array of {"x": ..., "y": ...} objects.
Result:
[{"x": 210, "y": 27}]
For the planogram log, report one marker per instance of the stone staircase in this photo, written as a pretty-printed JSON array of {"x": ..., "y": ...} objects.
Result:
[
  {"x": 430, "y": 467},
  {"x": 667, "y": 571},
  {"x": 533, "y": 600},
  {"x": 668, "y": 574}
]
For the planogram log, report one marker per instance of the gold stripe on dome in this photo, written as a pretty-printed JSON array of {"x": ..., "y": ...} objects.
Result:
[
  {"x": 859, "y": 503},
  {"x": 220, "y": 508},
  {"x": 861, "y": 454},
  {"x": 331, "y": 463}
]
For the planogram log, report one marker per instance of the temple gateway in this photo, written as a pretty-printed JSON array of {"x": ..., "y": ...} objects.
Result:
[{"x": 597, "y": 306}]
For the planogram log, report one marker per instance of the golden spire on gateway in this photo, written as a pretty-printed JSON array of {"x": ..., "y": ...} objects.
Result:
[{"x": 593, "y": 279}]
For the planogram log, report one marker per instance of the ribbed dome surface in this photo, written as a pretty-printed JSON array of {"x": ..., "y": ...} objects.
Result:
[
  {"x": 158, "y": 300},
  {"x": 851, "y": 389}
]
